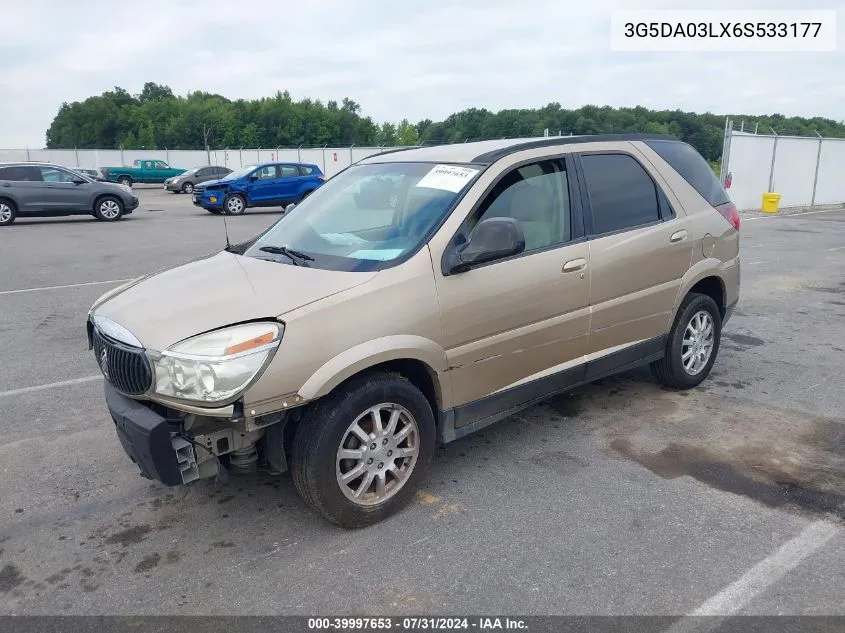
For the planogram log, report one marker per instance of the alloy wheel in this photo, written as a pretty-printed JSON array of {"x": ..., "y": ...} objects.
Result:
[
  {"x": 697, "y": 345},
  {"x": 109, "y": 209},
  {"x": 377, "y": 454}
]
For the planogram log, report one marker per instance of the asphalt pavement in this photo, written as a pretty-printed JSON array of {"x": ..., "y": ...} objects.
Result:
[{"x": 620, "y": 498}]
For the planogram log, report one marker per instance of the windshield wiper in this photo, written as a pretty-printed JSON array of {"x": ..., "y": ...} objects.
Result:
[{"x": 295, "y": 256}]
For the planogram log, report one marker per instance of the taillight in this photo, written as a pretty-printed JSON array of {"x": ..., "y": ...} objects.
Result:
[
  {"x": 729, "y": 212},
  {"x": 323, "y": 178}
]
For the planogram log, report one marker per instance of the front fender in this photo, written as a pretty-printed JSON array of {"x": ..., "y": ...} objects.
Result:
[{"x": 371, "y": 353}]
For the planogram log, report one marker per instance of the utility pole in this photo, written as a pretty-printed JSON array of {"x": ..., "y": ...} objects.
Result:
[{"x": 205, "y": 133}]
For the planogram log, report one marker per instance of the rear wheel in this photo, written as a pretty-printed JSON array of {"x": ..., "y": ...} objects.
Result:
[
  {"x": 693, "y": 344},
  {"x": 359, "y": 453},
  {"x": 234, "y": 205},
  {"x": 108, "y": 209},
  {"x": 125, "y": 180},
  {"x": 8, "y": 212},
  {"x": 188, "y": 187}
]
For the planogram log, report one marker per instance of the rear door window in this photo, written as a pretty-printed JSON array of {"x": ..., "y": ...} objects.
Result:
[
  {"x": 692, "y": 167},
  {"x": 21, "y": 173},
  {"x": 621, "y": 194},
  {"x": 288, "y": 171}
]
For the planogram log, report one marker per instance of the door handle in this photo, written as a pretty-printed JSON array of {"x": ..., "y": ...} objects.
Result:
[
  {"x": 574, "y": 264},
  {"x": 678, "y": 236}
]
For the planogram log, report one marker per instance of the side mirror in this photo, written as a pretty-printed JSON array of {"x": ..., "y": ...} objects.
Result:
[
  {"x": 252, "y": 177},
  {"x": 492, "y": 239},
  {"x": 290, "y": 207},
  {"x": 79, "y": 181}
]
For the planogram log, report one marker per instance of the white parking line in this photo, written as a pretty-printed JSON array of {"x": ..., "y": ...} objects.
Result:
[
  {"x": 88, "y": 283},
  {"x": 759, "y": 578},
  {"x": 789, "y": 215},
  {"x": 51, "y": 385},
  {"x": 835, "y": 248}
]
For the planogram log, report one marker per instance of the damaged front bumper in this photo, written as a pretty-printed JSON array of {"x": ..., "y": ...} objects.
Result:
[
  {"x": 177, "y": 448},
  {"x": 148, "y": 439}
]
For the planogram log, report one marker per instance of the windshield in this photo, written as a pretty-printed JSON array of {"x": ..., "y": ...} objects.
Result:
[
  {"x": 367, "y": 217},
  {"x": 239, "y": 173}
]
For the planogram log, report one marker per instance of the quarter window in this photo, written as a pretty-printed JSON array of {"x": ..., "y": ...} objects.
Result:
[
  {"x": 622, "y": 195},
  {"x": 537, "y": 196}
]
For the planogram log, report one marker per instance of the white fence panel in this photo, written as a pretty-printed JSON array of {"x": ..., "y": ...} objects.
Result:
[
  {"x": 831, "y": 184},
  {"x": 750, "y": 161},
  {"x": 795, "y": 169},
  {"x": 360, "y": 153},
  {"x": 330, "y": 159},
  {"x": 793, "y": 174}
]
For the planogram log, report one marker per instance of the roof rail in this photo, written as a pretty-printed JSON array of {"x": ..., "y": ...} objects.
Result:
[{"x": 494, "y": 155}]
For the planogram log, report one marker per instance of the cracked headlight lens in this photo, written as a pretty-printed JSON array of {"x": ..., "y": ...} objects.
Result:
[{"x": 216, "y": 366}]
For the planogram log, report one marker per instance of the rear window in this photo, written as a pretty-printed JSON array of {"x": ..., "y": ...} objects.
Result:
[{"x": 685, "y": 160}]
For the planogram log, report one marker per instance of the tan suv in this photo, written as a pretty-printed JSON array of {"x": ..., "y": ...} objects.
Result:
[{"x": 418, "y": 296}]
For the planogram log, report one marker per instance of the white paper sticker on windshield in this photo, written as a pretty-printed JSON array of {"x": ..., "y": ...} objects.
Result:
[
  {"x": 383, "y": 254},
  {"x": 447, "y": 177},
  {"x": 343, "y": 239}
]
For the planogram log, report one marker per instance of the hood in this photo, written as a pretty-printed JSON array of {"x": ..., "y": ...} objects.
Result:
[
  {"x": 216, "y": 291},
  {"x": 218, "y": 181}
]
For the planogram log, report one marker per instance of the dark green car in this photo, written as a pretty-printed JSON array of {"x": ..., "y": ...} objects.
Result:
[{"x": 146, "y": 171}]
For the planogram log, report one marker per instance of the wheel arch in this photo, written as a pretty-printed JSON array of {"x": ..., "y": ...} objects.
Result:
[
  {"x": 100, "y": 196},
  {"x": 419, "y": 360},
  {"x": 704, "y": 278}
]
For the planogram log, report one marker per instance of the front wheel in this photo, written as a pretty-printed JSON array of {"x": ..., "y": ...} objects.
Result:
[
  {"x": 693, "y": 344},
  {"x": 359, "y": 453},
  {"x": 234, "y": 205},
  {"x": 188, "y": 188},
  {"x": 108, "y": 209}
]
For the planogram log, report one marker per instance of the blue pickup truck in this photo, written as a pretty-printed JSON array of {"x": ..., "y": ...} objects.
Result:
[{"x": 259, "y": 185}]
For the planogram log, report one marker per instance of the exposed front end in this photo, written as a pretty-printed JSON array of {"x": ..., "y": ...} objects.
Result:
[
  {"x": 179, "y": 413},
  {"x": 209, "y": 197}
]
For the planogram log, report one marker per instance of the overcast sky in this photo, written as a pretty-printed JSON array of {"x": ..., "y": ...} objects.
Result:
[{"x": 397, "y": 58}]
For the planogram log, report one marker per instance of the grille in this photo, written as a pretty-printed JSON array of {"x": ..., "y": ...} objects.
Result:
[
  {"x": 198, "y": 189},
  {"x": 126, "y": 368}
]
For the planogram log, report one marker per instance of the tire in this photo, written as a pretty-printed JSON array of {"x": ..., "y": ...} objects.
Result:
[
  {"x": 234, "y": 204},
  {"x": 325, "y": 430},
  {"x": 673, "y": 370},
  {"x": 125, "y": 180},
  {"x": 8, "y": 212},
  {"x": 108, "y": 209},
  {"x": 188, "y": 187}
]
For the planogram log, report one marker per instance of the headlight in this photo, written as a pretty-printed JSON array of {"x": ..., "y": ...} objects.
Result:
[{"x": 215, "y": 366}]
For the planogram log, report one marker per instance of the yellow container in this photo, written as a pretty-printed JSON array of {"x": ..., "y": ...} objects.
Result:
[{"x": 770, "y": 202}]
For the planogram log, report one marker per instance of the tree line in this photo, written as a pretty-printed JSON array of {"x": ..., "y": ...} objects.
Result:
[{"x": 156, "y": 118}]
